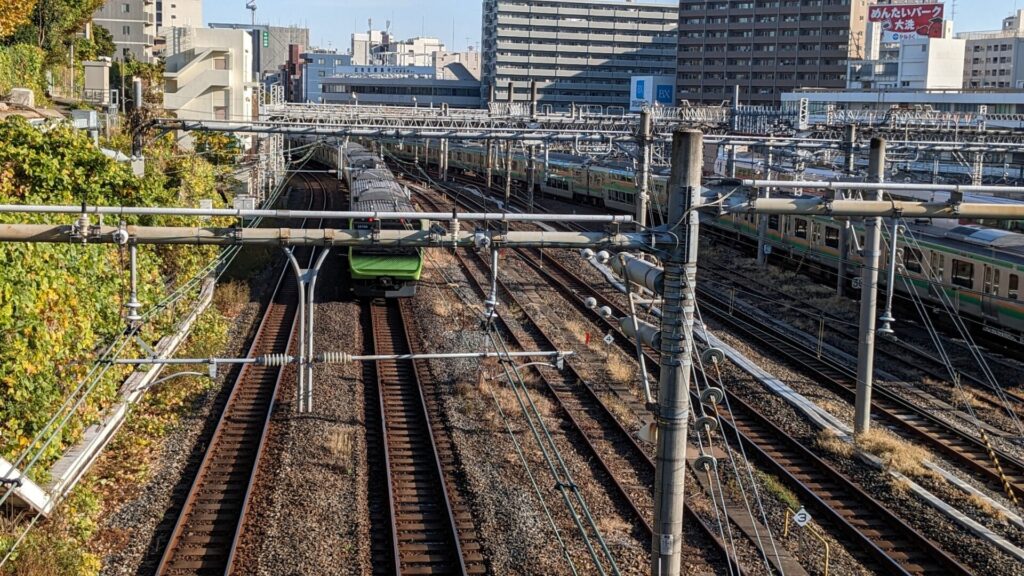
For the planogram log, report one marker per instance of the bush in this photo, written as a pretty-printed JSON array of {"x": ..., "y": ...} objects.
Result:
[
  {"x": 60, "y": 305},
  {"x": 22, "y": 66}
]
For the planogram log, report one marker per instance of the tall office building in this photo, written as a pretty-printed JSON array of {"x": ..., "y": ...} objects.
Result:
[
  {"x": 766, "y": 47},
  {"x": 132, "y": 23},
  {"x": 578, "y": 51}
]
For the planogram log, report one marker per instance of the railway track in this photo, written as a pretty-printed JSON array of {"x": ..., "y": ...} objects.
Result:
[
  {"x": 899, "y": 351},
  {"x": 208, "y": 528},
  {"x": 612, "y": 447},
  {"x": 431, "y": 529},
  {"x": 971, "y": 452},
  {"x": 872, "y": 533},
  {"x": 962, "y": 447},
  {"x": 883, "y": 539}
]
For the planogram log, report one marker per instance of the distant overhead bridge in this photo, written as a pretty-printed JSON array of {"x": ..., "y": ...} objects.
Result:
[{"x": 741, "y": 125}]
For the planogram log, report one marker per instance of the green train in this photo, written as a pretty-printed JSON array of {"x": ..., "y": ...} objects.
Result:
[
  {"x": 976, "y": 268},
  {"x": 376, "y": 272}
]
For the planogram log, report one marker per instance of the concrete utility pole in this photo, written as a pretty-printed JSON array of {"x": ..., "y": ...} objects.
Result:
[
  {"x": 534, "y": 100},
  {"x": 762, "y": 219},
  {"x": 869, "y": 296},
  {"x": 490, "y": 163},
  {"x": 442, "y": 161},
  {"x": 643, "y": 195},
  {"x": 730, "y": 163},
  {"x": 508, "y": 173},
  {"x": 676, "y": 348},
  {"x": 850, "y": 165}
]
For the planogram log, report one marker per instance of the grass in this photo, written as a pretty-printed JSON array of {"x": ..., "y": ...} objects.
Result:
[
  {"x": 619, "y": 370},
  {"x": 618, "y": 409},
  {"x": 963, "y": 398},
  {"x": 442, "y": 257},
  {"x": 442, "y": 306},
  {"x": 986, "y": 508},
  {"x": 230, "y": 298},
  {"x": 775, "y": 487},
  {"x": 896, "y": 454},
  {"x": 341, "y": 444},
  {"x": 612, "y": 525},
  {"x": 833, "y": 444}
]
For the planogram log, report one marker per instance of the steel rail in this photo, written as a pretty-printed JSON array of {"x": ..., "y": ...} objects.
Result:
[
  {"x": 905, "y": 415},
  {"x": 920, "y": 555},
  {"x": 845, "y": 506},
  {"x": 425, "y": 533},
  {"x": 207, "y": 528},
  {"x": 641, "y": 463}
]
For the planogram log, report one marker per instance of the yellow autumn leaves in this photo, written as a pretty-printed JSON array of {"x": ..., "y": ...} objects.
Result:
[{"x": 14, "y": 13}]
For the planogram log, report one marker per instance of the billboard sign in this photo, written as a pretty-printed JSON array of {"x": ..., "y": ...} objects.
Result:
[
  {"x": 651, "y": 90},
  {"x": 908, "y": 21}
]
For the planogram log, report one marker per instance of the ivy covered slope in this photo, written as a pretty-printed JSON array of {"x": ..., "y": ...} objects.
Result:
[{"x": 61, "y": 305}]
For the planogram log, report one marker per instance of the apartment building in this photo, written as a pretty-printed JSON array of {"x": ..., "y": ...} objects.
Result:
[
  {"x": 580, "y": 52},
  {"x": 994, "y": 59},
  {"x": 132, "y": 23},
  {"x": 766, "y": 47},
  {"x": 270, "y": 44},
  {"x": 208, "y": 74},
  {"x": 178, "y": 13}
]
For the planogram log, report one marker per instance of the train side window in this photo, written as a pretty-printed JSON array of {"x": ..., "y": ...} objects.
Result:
[
  {"x": 831, "y": 237},
  {"x": 963, "y": 273},
  {"x": 1013, "y": 288},
  {"x": 773, "y": 221},
  {"x": 939, "y": 265},
  {"x": 912, "y": 258},
  {"x": 800, "y": 228}
]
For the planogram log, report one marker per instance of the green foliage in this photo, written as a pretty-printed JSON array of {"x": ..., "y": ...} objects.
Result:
[
  {"x": 60, "y": 304},
  {"x": 102, "y": 43},
  {"x": 22, "y": 66},
  {"x": 219, "y": 148},
  {"x": 14, "y": 13},
  {"x": 59, "y": 547},
  {"x": 54, "y": 25}
]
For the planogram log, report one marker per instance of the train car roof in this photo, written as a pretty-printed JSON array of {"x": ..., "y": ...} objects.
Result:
[
  {"x": 388, "y": 204},
  {"x": 972, "y": 239},
  {"x": 373, "y": 174},
  {"x": 987, "y": 242}
]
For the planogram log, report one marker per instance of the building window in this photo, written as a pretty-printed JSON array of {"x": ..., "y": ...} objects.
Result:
[
  {"x": 126, "y": 8},
  {"x": 220, "y": 112},
  {"x": 126, "y": 30},
  {"x": 220, "y": 63}
]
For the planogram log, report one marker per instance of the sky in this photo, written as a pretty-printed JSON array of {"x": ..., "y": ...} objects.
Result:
[{"x": 457, "y": 22}]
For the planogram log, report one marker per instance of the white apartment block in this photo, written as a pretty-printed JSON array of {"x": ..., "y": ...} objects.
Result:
[
  {"x": 208, "y": 74},
  {"x": 132, "y": 23},
  {"x": 994, "y": 59},
  {"x": 178, "y": 14}
]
